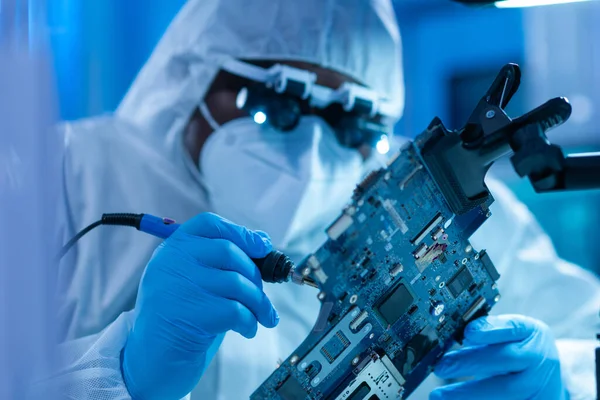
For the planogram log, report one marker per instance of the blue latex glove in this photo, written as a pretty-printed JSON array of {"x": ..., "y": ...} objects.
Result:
[
  {"x": 199, "y": 284},
  {"x": 509, "y": 356}
]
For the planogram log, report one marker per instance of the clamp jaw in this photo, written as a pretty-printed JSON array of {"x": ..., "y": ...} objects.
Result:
[{"x": 459, "y": 160}]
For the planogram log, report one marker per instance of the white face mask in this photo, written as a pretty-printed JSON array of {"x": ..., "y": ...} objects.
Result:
[{"x": 291, "y": 185}]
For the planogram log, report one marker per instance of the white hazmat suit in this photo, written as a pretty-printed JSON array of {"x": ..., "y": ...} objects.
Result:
[{"x": 135, "y": 161}]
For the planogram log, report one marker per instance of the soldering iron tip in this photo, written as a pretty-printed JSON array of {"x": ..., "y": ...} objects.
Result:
[{"x": 310, "y": 282}]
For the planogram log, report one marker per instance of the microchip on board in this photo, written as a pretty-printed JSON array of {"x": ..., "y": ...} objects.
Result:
[
  {"x": 396, "y": 304},
  {"x": 459, "y": 282},
  {"x": 291, "y": 390}
]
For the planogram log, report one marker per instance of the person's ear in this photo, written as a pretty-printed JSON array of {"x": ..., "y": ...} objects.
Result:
[
  {"x": 195, "y": 134},
  {"x": 222, "y": 106}
]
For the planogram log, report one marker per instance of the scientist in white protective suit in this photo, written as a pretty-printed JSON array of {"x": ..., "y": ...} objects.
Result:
[{"x": 178, "y": 146}]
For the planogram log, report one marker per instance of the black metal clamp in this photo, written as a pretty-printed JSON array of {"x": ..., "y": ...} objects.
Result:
[{"x": 459, "y": 160}]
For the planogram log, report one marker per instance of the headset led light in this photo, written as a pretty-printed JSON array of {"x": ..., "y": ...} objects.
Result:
[
  {"x": 383, "y": 145},
  {"x": 260, "y": 117}
]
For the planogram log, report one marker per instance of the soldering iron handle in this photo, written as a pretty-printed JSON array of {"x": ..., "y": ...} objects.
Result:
[
  {"x": 274, "y": 268},
  {"x": 156, "y": 226}
]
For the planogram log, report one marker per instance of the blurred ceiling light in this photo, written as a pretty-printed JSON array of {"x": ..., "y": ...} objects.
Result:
[
  {"x": 517, "y": 3},
  {"x": 532, "y": 3}
]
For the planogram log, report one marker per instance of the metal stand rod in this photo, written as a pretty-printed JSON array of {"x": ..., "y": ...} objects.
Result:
[{"x": 582, "y": 171}]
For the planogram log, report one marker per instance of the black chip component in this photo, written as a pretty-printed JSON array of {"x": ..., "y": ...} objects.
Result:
[
  {"x": 291, "y": 390},
  {"x": 472, "y": 288},
  {"x": 312, "y": 370},
  {"x": 415, "y": 350},
  {"x": 372, "y": 273},
  {"x": 374, "y": 202},
  {"x": 335, "y": 346},
  {"x": 489, "y": 265},
  {"x": 395, "y": 304},
  {"x": 459, "y": 282}
]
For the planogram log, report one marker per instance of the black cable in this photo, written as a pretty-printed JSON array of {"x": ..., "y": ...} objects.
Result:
[
  {"x": 118, "y": 219},
  {"x": 75, "y": 238},
  {"x": 276, "y": 267}
]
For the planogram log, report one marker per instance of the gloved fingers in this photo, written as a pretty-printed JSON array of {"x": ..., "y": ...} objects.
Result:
[
  {"x": 233, "y": 286},
  {"x": 219, "y": 254},
  {"x": 500, "y": 329},
  {"x": 191, "y": 274},
  {"x": 486, "y": 361},
  {"x": 513, "y": 386},
  {"x": 212, "y": 226},
  {"x": 229, "y": 257},
  {"x": 238, "y": 318}
]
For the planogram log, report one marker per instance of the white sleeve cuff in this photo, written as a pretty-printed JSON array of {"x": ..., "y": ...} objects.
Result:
[
  {"x": 90, "y": 367},
  {"x": 578, "y": 367}
]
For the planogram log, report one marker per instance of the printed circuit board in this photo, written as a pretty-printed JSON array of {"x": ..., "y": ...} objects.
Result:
[{"x": 398, "y": 283}]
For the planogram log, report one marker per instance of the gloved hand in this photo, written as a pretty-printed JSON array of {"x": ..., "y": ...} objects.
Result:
[
  {"x": 199, "y": 284},
  {"x": 510, "y": 356}
]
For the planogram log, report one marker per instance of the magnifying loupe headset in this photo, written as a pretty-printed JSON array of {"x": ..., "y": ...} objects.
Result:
[{"x": 280, "y": 95}]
